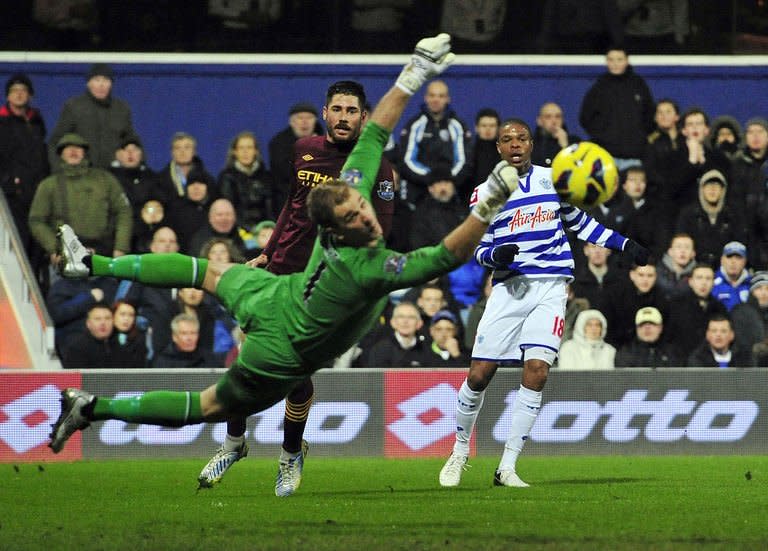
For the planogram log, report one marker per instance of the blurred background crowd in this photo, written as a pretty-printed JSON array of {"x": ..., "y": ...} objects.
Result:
[{"x": 386, "y": 26}]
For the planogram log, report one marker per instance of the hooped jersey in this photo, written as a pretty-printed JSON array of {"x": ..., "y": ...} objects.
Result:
[{"x": 535, "y": 219}]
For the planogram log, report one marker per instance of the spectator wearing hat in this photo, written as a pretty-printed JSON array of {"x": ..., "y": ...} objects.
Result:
[
  {"x": 709, "y": 221},
  {"x": 89, "y": 199},
  {"x": 647, "y": 349},
  {"x": 718, "y": 349},
  {"x": 445, "y": 348},
  {"x": 23, "y": 154},
  {"x": 726, "y": 136},
  {"x": 750, "y": 319},
  {"x": 689, "y": 311},
  {"x": 184, "y": 163},
  {"x": 302, "y": 122},
  {"x": 587, "y": 350},
  {"x": 732, "y": 280},
  {"x": 247, "y": 183},
  {"x": 139, "y": 182},
  {"x": 262, "y": 233},
  {"x": 405, "y": 346},
  {"x": 100, "y": 118}
]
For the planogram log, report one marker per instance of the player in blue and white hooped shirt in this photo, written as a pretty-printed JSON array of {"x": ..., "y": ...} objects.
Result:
[{"x": 527, "y": 248}]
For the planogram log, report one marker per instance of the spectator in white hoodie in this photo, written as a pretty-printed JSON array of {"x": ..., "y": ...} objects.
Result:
[{"x": 587, "y": 350}]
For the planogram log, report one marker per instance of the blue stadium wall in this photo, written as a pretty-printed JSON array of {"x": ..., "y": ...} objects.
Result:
[{"x": 214, "y": 101}]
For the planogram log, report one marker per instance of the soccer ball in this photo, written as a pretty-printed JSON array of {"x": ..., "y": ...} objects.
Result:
[{"x": 584, "y": 175}]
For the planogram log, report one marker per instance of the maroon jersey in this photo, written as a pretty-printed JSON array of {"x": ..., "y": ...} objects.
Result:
[{"x": 315, "y": 160}]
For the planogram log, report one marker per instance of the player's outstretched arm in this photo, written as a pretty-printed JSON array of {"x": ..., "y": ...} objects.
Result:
[
  {"x": 431, "y": 57},
  {"x": 501, "y": 183}
]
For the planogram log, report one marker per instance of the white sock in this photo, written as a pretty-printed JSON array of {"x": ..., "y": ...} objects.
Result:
[
  {"x": 231, "y": 443},
  {"x": 468, "y": 406},
  {"x": 524, "y": 413}
]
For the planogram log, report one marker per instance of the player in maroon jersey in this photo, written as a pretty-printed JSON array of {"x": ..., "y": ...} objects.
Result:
[{"x": 315, "y": 159}]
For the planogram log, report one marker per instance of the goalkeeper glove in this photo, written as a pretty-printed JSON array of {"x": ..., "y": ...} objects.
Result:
[
  {"x": 637, "y": 252},
  {"x": 503, "y": 255},
  {"x": 431, "y": 57},
  {"x": 502, "y": 182}
]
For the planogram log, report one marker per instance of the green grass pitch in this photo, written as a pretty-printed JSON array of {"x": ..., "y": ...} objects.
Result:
[{"x": 370, "y": 504}]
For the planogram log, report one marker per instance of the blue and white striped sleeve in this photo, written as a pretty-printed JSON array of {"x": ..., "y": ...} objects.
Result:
[
  {"x": 483, "y": 251},
  {"x": 589, "y": 229}
]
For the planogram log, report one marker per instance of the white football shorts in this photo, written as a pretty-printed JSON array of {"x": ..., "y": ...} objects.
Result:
[{"x": 522, "y": 313}]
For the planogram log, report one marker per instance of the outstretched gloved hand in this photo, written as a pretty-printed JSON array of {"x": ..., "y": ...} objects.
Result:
[
  {"x": 502, "y": 182},
  {"x": 431, "y": 57}
]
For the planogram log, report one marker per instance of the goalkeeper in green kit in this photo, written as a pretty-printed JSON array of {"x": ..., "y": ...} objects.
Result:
[{"x": 295, "y": 324}]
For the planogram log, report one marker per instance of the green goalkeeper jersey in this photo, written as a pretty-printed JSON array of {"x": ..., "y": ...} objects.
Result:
[{"x": 300, "y": 322}]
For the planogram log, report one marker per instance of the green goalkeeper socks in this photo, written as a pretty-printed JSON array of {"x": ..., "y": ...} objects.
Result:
[
  {"x": 158, "y": 407},
  {"x": 161, "y": 270}
]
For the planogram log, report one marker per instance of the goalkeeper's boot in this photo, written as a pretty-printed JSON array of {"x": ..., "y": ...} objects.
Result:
[
  {"x": 72, "y": 418},
  {"x": 219, "y": 464},
  {"x": 450, "y": 474},
  {"x": 289, "y": 471},
  {"x": 509, "y": 478},
  {"x": 72, "y": 253}
]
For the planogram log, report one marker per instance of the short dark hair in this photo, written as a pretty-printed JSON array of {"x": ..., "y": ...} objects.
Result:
[
  {"x": 634, "y": 168},
  {"x": 347, "y": 88},
  {"x": 515, "y": 120},
  {"x": 670, "y": 101},
  {"x": 720, "y": 317},
  {"x": 694, "y": 111},
  {"x": 700, "y": 265},
  {"x": 487, "y": 112}
]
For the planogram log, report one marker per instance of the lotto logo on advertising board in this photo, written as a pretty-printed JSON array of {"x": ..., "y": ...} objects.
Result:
[
  {"x": 420, "y": 413},
  {"x": 329, "y": 423},
  {"x": 672, "y": 418},
  {"x": 29, "y": 404}
]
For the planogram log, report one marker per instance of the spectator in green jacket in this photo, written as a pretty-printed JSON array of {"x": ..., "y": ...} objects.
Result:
[{"x": 89, "y": 199}]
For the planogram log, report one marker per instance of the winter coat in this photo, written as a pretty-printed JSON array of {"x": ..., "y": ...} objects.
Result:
[
  {"x": 617, "y": 112},
  {"x": 750, "y": 323},
  {"x": 729, "y": 293},
  {"x": 387, "y": 352},
  {"x": 582, "y": 354},
  {"x": 252, "y": 195},
  {"x": 672, "y": 283},
  {"x": 172, "y": 357},
  {"x": 427, "y": 143},
  {"x": 102, "y": 123},
  {"x": 710, "y": 238},
  {"x": 93, "y": 203},
  {"x": 643, "y": 354},
  {"x": 686, "y": 324},
  {"x": 702, "y": 356}
]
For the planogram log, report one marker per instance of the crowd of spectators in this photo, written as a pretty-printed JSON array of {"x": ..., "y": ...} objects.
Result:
[
  {"x": 385, "y": 26},
  {"x": 693, "y": 191}
]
